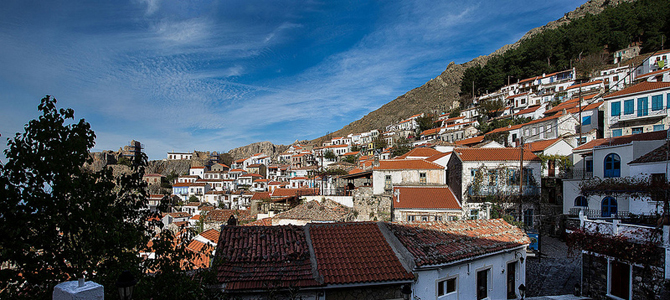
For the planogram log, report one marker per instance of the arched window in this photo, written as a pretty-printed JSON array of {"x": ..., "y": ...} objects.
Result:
[
  {"x": 608, "y": 207},
  {"x": 612, "y": 165},
  {"x": 581, "y": 201}
]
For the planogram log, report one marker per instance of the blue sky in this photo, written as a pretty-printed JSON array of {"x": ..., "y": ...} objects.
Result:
[{"x": 215, "y": 75}]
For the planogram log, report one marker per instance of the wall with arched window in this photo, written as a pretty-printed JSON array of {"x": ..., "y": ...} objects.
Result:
[
  {"x": 612, "y": 165},
  {"x": 581, "y": 201}
]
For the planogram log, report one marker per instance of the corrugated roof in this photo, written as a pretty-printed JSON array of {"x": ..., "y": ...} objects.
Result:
[
  {"x": 355, "y": 253},
  {"x": 425, "y": 197}
]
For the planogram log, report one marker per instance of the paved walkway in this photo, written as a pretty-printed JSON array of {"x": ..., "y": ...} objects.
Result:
[{"x": 556, "y": 273}]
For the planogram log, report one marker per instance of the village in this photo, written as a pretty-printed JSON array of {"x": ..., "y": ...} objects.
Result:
[{"x": 436, "y": 210}]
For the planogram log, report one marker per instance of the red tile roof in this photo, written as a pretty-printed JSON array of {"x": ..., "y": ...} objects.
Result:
[
  {"x": 528, "y": 110},
  {"x": 639, "y": 88},
  {"x": 407, "y": 164},
  {"x": 260, "y": 257},
  {"x": 261, "y": 222},
  {"x": 493, "y": 154},
  {"x": 432, "y": 131},
  {"x": 281, "y": 192},
  {"x": 426, "y": 198},
  {"x": 446, "y": 242},
  {"x": 212, "y": 235},
  {"x": 657, "y": 155},
  {"x": 574, "y": 86},
  {"x": 420, "y": 152},
  {"x": 621, "y": 140},
  {"x": 261, "y": 196},
  {"x": 540, "y": 145},
  {"x": 470, "y": 141},
  {"x": 355, "y": 253}
]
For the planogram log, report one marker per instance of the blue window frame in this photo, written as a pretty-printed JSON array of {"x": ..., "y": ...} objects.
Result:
[
  {"x": 642, "y": 107},
  {"x": 657, "y": 102},
  {"x": 617, "y": 132},
  {"x": 636, "y": 130},
  {"x": 615, "y": 108},
  {"x": 628, "y": 107},
  {"x": 586, "y": 120},
  {"x": 589, "y": 166},
  {"x": 612, "y": 165},
  {"x": 608, "y": 207},
  {"x": 660, "y": 127},
  {"x": 581, "y": 201},
  {"x": 667, "y": 100}
]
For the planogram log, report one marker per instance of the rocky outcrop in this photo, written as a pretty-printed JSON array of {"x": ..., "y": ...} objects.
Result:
[
  {"x": 267, "y": 148},
  {"x": 441, "y": 93},
  {"x": 167, "y": 167}
]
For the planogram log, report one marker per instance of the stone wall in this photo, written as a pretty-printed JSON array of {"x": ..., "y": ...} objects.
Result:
[{"x": 369, "y": 207}]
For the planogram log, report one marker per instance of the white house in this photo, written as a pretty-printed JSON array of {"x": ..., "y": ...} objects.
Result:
[
  {"x": 637, "y": 109},
  {"x": 405, "y": 172},
  {"x": 651, "y": 166},
  {"x": 425, "y": 204},
  {"x": 179, "y": 155},
  {"x": 605, "y": 158},
  {"x": 197, "y": 171}
]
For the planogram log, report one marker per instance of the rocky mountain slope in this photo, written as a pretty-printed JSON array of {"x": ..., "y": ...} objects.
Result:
[{"x": 440, "y": 93}]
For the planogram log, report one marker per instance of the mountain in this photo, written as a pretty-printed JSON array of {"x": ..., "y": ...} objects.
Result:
[{"x": 441, "y": 93}]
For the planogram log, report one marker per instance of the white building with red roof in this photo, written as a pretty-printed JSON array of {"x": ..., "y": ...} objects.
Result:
[
  {"x": 637, "y": 109},
  {"x": 425, "y": 204},
  {"x": 405, "y": 172}
]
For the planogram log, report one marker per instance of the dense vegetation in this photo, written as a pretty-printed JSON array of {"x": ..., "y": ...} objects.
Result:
[{"x": 644, "y": 21}]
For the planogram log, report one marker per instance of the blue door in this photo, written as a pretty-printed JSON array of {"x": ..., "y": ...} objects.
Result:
[{"x": 608, "y": 207}]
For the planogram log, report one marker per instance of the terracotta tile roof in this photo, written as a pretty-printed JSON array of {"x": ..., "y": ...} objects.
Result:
[
  {"x": 659, "y": 154},
  {"x": 241, "y": 160},
  {"x": 181, "y": 184},
  {"x": 420, "y": 152},
  {"x": 281, "y": 192},
  {"x": 261, "y": 196},
  {"x": 470, "y": 141},
  {"x": 407, "y": 164},
  {"x": 528, "y": 110},
  {"x": 212, "y": 235},
  {"x": 651, "y": 74},
  {"x": 425, "y": 197},
  {"x": 355, "y": 253},
  {"x": 264, "y": 257},
  {"x": 202, "y": 255},
  {"x": 445, "y": 242},
  {"x": 432, "y": 131},
  {"x": 180, "y": 214},
  {"x": 314, "y": 210},
  {"x": 351, "y": 153},
  {"x": 574, "y": 86},
  {"x": 644, "y": 86},
  {"x": 236, "y": 170},
  {"x": 508, "y": 128},
  {"x": 541, "y": 145},
  {"x": 261, "y": 222},
  {"x": 494, "y": 154},
  {"x": 438, "y": 156},
  {"x": 621, "y": 140},
  {"x": 356, "y": 171}
]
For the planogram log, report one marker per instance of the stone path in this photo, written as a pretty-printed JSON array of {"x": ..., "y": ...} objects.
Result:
[{"x": 556, "y": 273}]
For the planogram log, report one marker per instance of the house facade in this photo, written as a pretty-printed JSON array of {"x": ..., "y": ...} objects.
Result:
[{"x": 637, "y": 109}]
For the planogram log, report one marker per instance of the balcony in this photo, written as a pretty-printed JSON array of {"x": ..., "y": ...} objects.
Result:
[
  {"x": 597, "y": 214},
  {"x": 577, "y": 173},
  {"x": 639, "y": 115},
  {"x": 506, "y": 190}
]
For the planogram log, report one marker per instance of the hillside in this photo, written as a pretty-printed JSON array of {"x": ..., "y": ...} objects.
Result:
[{"x": 440, "y": 93}]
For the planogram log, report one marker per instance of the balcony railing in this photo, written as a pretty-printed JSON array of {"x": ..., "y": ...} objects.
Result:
[
  {"x": 577, "y": 173},
  {"x": 503, "y": 190},
  {"x": 639, "y": 115},
  {"x": 597, "y": 214}
]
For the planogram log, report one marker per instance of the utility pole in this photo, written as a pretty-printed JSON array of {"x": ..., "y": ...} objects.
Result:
[
  {"x": 521, "y": 178},
  {"x": 580, "y": 113}
]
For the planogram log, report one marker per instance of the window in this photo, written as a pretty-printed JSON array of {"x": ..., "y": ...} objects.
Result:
[
  {"x": 657, "y": 178},
  {"x": 424, "y": 218},
  {"x": 667, "y": 100},
  {"x": 618, "y": 283},
  {"x": 410, "y": 218},
  {"x": 642, "y": 107},
  {"x": 657, "y": 102},
  {"x": 612, "y": 165},
  {"x": 511, "y": 280},
  {"x": 586, "y": 120},
  {"x": 548, "y": 128},
  {"x": 422, "y": 178},
  {"x": 387, "y": 182},
  {"x": 636, "y": 130},
  {"x": 608, "y": 207},
  {"x": 528, "y": 217},
  {"x": 474, "y": 214},
  {"x": 447, "y": 286},
  {"x": 660, "y": 127},
  {"x": 628, "y": 107},
  {"x": 616, "y": 132},
  {"x": 493, "y": 178},
  {"x": 483, "y": 283},
  {"x": 615, "y": 109},
  {"x": 581, "y": 201}
]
